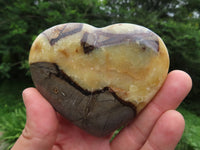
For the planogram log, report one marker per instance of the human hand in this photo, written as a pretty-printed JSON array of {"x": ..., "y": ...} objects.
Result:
[{"x": 157, "y": 127}]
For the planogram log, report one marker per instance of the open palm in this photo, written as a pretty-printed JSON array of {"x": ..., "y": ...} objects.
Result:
[{"x": 157, "y": 127}]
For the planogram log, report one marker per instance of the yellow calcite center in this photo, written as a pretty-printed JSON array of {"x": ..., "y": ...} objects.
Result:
[{"x": 133, "y": 73}]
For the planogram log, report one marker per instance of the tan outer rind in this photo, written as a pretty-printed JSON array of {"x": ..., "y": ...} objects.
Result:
[{"x": 133, "y": 72}]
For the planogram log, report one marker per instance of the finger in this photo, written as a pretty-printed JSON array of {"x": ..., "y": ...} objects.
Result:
[
  {"x": 173, "y": 91},
  {"x": 167, "y": 132},
  {"x": 41, "y": 125}
]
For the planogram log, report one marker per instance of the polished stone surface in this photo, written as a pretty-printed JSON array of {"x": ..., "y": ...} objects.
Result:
[{"x": 109, "y": 73}]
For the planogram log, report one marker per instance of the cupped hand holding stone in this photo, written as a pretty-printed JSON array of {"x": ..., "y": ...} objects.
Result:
[{"x": 158, "y": 126}]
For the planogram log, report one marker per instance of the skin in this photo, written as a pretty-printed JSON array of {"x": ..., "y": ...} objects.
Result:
[{"x": 157, "y": 127}]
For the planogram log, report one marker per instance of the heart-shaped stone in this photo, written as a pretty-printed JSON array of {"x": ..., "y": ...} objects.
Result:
[{"x": 98, "y": 78}]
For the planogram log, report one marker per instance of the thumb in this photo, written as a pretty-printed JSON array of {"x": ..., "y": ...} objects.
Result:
[{"x": 41, "y": 124}]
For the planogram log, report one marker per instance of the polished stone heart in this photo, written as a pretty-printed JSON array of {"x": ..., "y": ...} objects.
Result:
[{"x": 98, "y": 78}]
